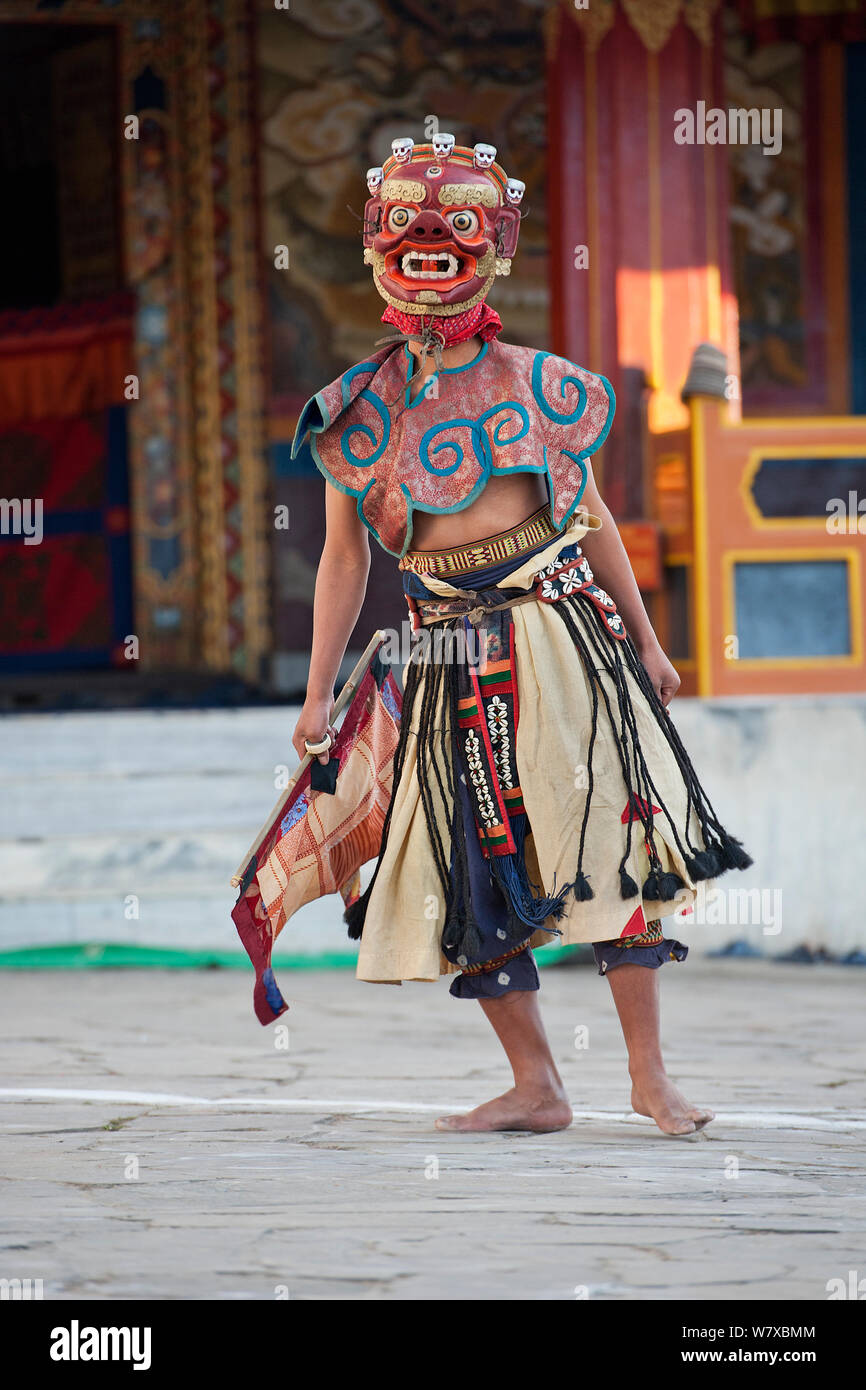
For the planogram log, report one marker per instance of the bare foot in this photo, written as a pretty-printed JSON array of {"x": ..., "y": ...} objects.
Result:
[
  {"x": 539, "y": 1111},
  {"x": 658, "y": 1097}
]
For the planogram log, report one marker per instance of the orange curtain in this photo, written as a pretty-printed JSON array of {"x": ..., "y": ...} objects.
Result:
[{"x": 64, "y": 361}]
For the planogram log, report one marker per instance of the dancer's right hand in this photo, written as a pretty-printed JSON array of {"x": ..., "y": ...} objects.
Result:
[{"x": 314, "y": 723}]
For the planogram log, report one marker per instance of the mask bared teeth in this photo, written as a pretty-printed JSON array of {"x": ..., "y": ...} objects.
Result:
[{"x": 418, "y": 266}]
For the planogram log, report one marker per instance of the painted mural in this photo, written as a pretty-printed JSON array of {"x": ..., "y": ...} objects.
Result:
[
  {"x": 338, "y": 81},
  {"x": 184, "y": 226},
  {"x": 768, "y": 218}
]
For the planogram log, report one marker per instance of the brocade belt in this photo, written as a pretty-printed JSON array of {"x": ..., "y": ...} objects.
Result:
[
  {"x": 476, "y": 555},
  {"x": 555, "y": 582}
]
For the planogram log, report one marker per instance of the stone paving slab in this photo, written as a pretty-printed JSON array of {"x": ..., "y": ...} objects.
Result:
[{"x": 316, "y": 1171}]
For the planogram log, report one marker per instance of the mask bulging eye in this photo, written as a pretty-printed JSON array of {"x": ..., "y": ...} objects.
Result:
[
  {"x": 399, "y": 218},
  {"x": 464, "y": 222}
]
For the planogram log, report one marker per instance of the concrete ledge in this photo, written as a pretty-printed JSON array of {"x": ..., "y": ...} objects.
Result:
[{"x": 162, "y": 805}]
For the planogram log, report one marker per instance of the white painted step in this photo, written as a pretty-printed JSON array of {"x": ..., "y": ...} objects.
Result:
[
  {"x": 162, "y": 805},
  {"x": 127, "y": 827}
]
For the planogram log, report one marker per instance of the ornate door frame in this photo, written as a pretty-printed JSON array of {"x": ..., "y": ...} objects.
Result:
[{"x": 198, "y": 467}]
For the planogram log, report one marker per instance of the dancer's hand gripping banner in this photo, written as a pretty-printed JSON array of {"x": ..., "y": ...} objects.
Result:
[{"x": 327, "y": 823}]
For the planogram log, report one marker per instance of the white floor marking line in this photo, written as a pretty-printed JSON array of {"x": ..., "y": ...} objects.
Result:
[{"x": 761, "y": 1119}]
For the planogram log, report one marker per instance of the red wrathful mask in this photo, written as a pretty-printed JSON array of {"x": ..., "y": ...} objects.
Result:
[{"x": 441, "y": 223}]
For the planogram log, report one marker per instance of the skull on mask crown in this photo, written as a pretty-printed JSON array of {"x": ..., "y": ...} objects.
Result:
[
  {"x": 483, "y": 156},
  {"x": 402, "y": 149},
  {"x": 443, "y": 144}
]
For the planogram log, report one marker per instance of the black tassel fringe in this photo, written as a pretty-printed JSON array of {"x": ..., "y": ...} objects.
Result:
[
  {"x": 627, "y": 886},
  {"x": 733, "y": 854},
  {"x": 651, "y": 887},
  {"x": 354, "y": 915},
  {"x": 437, "y": 755},
  {"x": 462, "y": 935},
  {"x": 582, "y": 891},
  {"x": 669, "y": 885}
]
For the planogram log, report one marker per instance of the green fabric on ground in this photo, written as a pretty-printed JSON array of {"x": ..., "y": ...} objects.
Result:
[{"x": 112, "y": 954}]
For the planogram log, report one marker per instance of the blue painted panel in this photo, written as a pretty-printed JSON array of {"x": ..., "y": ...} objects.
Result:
[
  {"x": 803, "y": 487},
  {"x": 792, "y": 608}
]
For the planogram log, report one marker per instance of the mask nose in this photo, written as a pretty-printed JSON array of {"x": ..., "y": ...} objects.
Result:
[{"x": 429, "y": 226}]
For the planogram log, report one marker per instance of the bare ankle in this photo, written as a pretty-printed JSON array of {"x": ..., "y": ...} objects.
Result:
[
  {"x": 541, "y": 1084},
  {"x": 646, "y": 1071}
]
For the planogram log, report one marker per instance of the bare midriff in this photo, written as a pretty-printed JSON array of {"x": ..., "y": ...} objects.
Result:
[{"x": 502, "y": 503}]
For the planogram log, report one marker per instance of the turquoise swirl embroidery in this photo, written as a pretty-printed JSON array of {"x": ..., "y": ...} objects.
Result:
[
  {"x": 561, "y": 417},
  {"x": 360, "y": 368},
  {"x": 424, "y": 446},
  {"x": 583, "y": 476},
  {"x": 478, "y": 437},
  {"x": 498, "y": 437},
  {"x": 579, "y": 459},
  {"x": 379, "y": 406}
]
